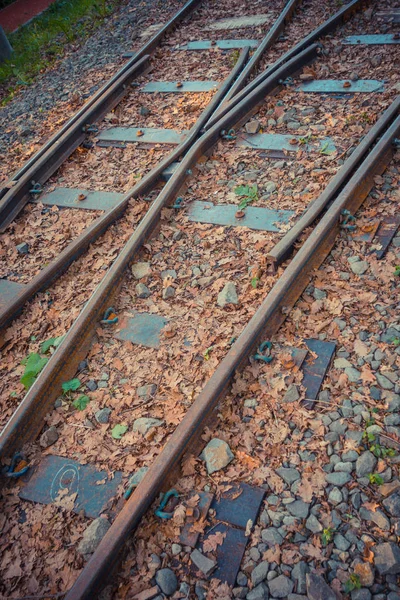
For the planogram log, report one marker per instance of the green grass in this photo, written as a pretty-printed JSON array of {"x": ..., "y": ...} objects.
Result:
[{"x": 40, "y": 43}]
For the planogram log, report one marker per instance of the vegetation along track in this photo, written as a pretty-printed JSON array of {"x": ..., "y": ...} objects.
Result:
[{"x": 195, "y": 282}]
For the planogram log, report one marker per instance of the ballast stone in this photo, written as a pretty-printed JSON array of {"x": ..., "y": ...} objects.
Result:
[
  {"x": 143, "y": 424},
  {"x": 204, "y": 564},
  {"x": 216, "y": 455},
  {"x": 49, "y": 437},
  {"x": 141, "y": 269},
  {"x": 167, "y": 581},
  {"x": 317, "y": 589},
  {"x": 228, "y": 295},
  {"x": 93, "y": 535},
  {"x": 387, "y": 558}
]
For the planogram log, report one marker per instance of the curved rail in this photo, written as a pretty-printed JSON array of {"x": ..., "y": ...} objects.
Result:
[
  {"x": 265, "y": 323},
  {"x": 41, "y": 165}
]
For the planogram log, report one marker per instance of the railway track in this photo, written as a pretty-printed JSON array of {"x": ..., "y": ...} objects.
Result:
[{"x": 200, "y": 269}]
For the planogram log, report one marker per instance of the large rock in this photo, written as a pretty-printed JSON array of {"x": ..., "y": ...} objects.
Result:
[
  {"x": 49, "y": 437},
  {"x": 252, "y": 126},
  {"x": 338, "y": 479},
  {"x": 365, "y": 572},
  {"x": 167, "y": 581},
  {"x": 204, "y": 564},
  {"x": 260, "y": 592},
  {"x": 317, "y": 589},
  {"x": 377, "y": 517},
  {"x": 298, "y": 509},
  {"x": 259, "y": 573},
  {"x": 144, "y": 424},
  {"x": 93, "y": 535},
  {"x": 281, "y": 586},
  {"x": 289, "y": 475},
  {"x": 227, "y": 295},
  {"x": 216, "y": 455},
  {"x": 365, "y": 464},
  {"x": 299, "y": 573},
  {"x": 392, "y": 505},
  {"x": 387, "y": 558},
  {"x": 141, "y": 269}
]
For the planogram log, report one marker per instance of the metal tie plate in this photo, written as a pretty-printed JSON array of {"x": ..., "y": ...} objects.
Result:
[
  {"x": 55, "y": 478},
  {"x": 147, "y": 135},
  {"x": 175, "y": 87},
  {"x": 143, "y": 329},
  {"x": 333, "y": 86},
  {"x": 222, "y": 44},
  {"x": 239, "y": 22},
  {"x": 313, "y": 367},
  {"x": 69, "y": 198},
  {"x": 372, "y": 39},
  {"x": 279, "y": 141},
  {"x": 260, "y": 219},
  {"x": 9, "y": 290},
  {"x": 236, "y": 510}
]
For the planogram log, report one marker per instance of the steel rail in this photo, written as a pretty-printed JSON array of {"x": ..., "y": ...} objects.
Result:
[
  {"x": 18, "y": 195},
  {"x": 78, "y": 246},
  {"x": 27, "y": 421},
  {"x": 283, "y": 248},
  {"x": 10, "y": 191},
  {"x": 312, "y": 37},
  {"x": 266, "y": 322},
  {"x": 265, "y": 44}
]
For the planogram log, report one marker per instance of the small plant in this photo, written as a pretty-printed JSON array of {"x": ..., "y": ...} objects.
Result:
[
  {"x": 381, "y": 452},
  {"x": 396, "y": 342},
  {"x": 368, "y": 437},
  {"x": 118, "y": 431},
  {"x": 234, "y": 57},
  {"x": 327, "y": 535},
  {"x": 369, "y": 422},
  {"x": 71, "y": 386},
  {"x": 206, "y": 354},
  {"x": 353, "y": 583},
  {"x": 254, "y": 281},
  {"x": 33, "y": 363},
  {"x": 397, "y": 271},
  {"x": 375, "y": 479},
  {"x": 81, "y": 402},
  {"x": 248, "y": 193}
]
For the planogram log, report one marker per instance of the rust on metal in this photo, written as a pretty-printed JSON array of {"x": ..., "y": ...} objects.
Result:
[
  {"x": 283, "y": 248},
  {"x": 385, "y": 233},
  {"x": 189, "y": 534},
  {"x": 265, "y": 323},
  {"x": 312, "y": 37},
  {"x": 78, "y": 246},
  {"x": 64, "y": 142}
]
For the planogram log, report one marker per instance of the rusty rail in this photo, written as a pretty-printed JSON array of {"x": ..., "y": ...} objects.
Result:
[
  {"x": 312, "y": 37},
  {"x": 283, "y": 248},
  {"x": 27, "y": 421},
  {"x": 265, "y": 44},
  {"x": 15, "y": 193},
  {"x": 265, "y": 323},
  {"x": 78, "y": 246}
]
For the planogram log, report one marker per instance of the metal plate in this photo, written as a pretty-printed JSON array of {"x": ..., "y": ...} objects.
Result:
[
  {"x": 68, "y": 198},
  {"x": 328, "y": 86},
  {"x": 261, "y": 219},
  {"x": 239, "y": 22},
  {"x": 280, "y": 142},
  {"x": 169, "y": 87},
  {"x": 229, "y": 554},
  {"x": 235, "y": 508},
  {"x": 238, "y": 504},
  {"x": 143, "y": 329},
  {"x": 367, "y": 233},
  {"x": 371, "y": 40},
  {"x": 9, "y": 290},
  {"x": 189, "y": 535},
  {"x": 385, "y": 233},
  {"x": 222, "y": 44},
  {"x": 56, "y": 477},
  {"x": 314, "y": 369},
  {"x": 151, "y": 135}
]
